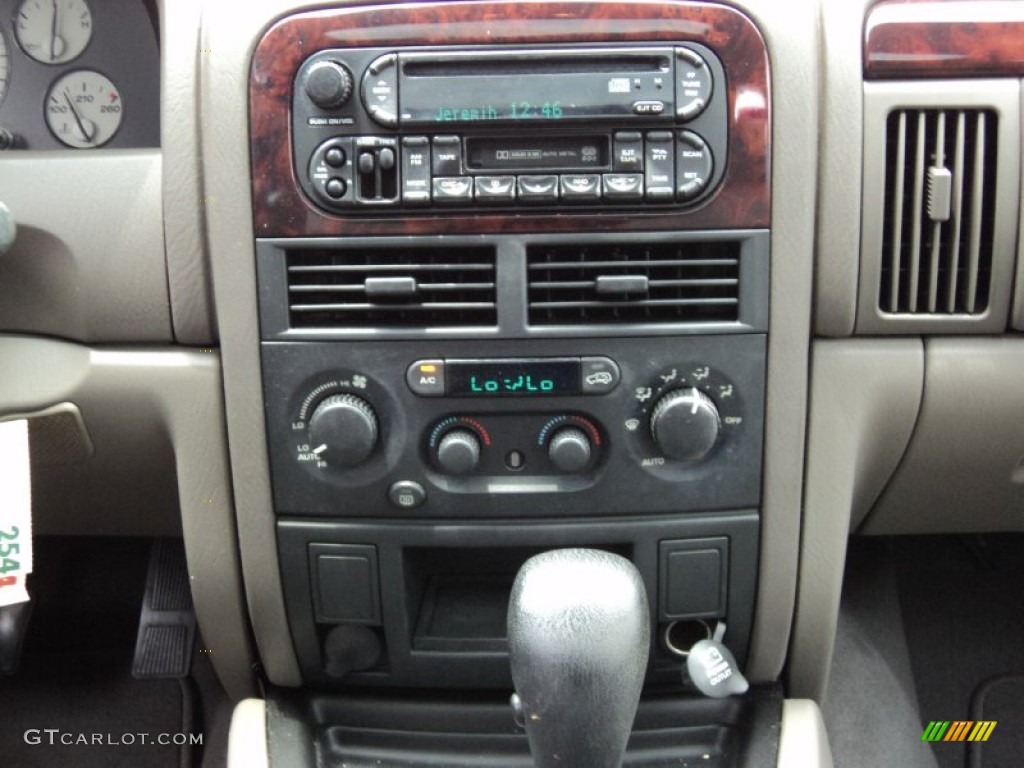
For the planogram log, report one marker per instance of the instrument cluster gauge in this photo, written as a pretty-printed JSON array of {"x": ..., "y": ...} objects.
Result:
[
  {"x": 83, "y": 109},
  {"x": 5, "y": 65},
  {"x": 53, "y": 31}
]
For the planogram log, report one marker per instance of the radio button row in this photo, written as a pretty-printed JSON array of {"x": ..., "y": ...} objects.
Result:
[
  {"x": 538, "y": 189},
  {"x": 447, "y": 156},
  {"x": 693, "y": 84},
  {"x": 628, "y": 153},
  {"x": 453, "y": 189},
  {"x": 495, "y": 189},
  {"x": 580, "y": 187},
  {"x": 694, "y": 165},
  {"x": 624, "y": 186},
  {"x": 415, "y": 170},
  {"x": 659, "y": 166},
  {"x": 426, "y": 378}
]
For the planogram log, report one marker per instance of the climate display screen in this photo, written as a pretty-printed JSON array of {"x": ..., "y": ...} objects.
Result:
[{"x": 512, "y": 378}]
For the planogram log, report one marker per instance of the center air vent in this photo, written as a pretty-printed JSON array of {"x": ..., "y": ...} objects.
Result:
[
  {"x": 695, "y": 282},
  {"x": 414, "y": 287}
]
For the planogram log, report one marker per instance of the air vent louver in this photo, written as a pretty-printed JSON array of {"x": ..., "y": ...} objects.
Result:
[
  {"x": 391, "y": 287},
  {"x": 937, "y": 238},
  {"x": 634, "y": 283}
]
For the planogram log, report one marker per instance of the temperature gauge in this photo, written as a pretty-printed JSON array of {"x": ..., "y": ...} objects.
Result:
[
  {"x": 53, "y": 31},
  {"x": 83, "y": 109}
]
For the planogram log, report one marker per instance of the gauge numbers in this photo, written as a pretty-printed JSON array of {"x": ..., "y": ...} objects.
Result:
[
  {"x": 84, "y": 109},
  {"x": 53, "y": 31},
  {"x": 5, "y": 65}
]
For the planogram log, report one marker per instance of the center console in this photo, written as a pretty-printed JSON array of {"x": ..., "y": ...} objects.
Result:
[{"x": 513, "y": 269}]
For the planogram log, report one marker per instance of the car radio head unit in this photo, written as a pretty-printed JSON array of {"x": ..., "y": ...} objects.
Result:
[{"x": 413, "y": 130}]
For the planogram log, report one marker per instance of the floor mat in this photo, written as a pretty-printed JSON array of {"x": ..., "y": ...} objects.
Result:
[
  {"x": 962, "y": 600},
  {"x": 75, "y": 680},
  {"x": 1000, "y": 700}
]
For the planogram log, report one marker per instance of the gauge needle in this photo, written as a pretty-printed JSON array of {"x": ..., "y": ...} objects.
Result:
[
  {"x": 78, "y": 118},
  {"x": 53, "y": 33}
]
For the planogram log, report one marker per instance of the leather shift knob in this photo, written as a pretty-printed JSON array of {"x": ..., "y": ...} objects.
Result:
[{"x": 579, "y": 634}]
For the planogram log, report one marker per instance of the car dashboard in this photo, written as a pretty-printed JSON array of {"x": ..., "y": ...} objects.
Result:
[{"x": 370, "y": 304}]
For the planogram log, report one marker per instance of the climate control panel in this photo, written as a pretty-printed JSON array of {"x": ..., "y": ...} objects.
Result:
[{"x": 622, "y": 426}]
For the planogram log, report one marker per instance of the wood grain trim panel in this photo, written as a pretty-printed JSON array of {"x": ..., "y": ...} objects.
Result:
[
  {"x": 944, "y": 39},
  {"x": 280, "y": 209}
]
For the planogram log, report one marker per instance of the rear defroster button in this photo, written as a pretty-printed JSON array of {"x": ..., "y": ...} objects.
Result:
[{"x": 407, "y": 494}]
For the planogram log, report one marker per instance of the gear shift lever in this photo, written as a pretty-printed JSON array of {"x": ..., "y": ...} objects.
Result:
[{"x": 578, "y": 633}]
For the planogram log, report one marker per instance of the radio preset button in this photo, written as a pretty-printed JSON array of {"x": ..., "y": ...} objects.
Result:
[
  {"x": 426, "y": 378},
  {"x": 659, "y": 170},
  {"x": 693, "y": 84},
  {"x": 447, "y": 156},
  {"x": 495, "y": 189},
  {"x": 624, "y": 186},
  {"x": 538, "y": 189},
  {"x": 598, "y": 375},
  {"x": 694, "y": 165},
  {"x": 580, "y": 187},
  {"x": 453, "y": 190},
  {"x": 628, "y": 154}
]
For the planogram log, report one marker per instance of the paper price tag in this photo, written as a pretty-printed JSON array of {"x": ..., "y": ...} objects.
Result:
[{"x": 15, "y": 512}]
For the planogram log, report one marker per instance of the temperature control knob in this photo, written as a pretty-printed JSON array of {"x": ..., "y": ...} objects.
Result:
[
  {"x": 569, "y": 449},
  {"x": 343, "y": 430},
  {"x": 685, "y": 424},
  {"x": 458, "y": 453},
  {"x": 328, "y": 84}
]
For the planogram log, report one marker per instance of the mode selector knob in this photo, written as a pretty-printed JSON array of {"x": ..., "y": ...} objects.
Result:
[
  {"x": 458, "y": 453},
  {"x": 685, "y": 424},
  {"x": 569, "y": 449},
  {"x": 328, "y": 84},
  {"x": 343, "y": 430}
]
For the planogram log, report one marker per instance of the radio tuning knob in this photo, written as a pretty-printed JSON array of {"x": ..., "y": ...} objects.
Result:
[
  {"x": 685, "y": 424},
  {"x": 343, "y": 430},
  {"x": 328, "y": 84},
  {"x": 569, "y": 449},
  {"x": 458, "y": 453}
]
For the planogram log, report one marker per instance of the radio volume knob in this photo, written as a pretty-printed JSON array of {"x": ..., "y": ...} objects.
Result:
[
  {"x": 343, "y": 430},
  {"x": 458, "y": 453},
  {"x": 328, "y": 84},
  {"x": 685, "y": 424},
  {"x": 569, "y": 449}
]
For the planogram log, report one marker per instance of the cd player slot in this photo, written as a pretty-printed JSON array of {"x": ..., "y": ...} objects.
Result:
[{"x": 551, "y": 63}]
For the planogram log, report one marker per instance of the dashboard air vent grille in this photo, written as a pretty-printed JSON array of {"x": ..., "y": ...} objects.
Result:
[
  {"x": 634, "y": 283},
  {"x": 413, "y": 287},
  {"x": 937, "y": 237}
]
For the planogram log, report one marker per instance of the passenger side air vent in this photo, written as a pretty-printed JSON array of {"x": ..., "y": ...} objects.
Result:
[
  {"x": 940, "y": 203},
  {"x": 415, "y": 287},
  {"x": 692, "y": 282}
]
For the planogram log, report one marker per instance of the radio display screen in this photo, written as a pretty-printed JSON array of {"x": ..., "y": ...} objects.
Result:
[
  {"x": 537, "y": 153},
  {"x": 512, "y": 378}
]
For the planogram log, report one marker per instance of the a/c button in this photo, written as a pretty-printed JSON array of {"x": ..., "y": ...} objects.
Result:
[{"x": 426, "y": 378}]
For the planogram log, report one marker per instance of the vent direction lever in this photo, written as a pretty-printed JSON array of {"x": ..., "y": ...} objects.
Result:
[{"x": 940, "y": 193}]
